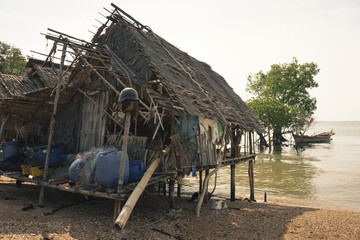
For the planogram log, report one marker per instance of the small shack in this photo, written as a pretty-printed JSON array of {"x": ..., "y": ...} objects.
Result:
[{"x": 186, "y": 120}]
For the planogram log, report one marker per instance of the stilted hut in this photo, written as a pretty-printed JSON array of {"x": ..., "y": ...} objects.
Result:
[{"x": 187, "y": 118}]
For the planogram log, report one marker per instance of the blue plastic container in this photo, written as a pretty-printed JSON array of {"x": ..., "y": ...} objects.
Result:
[
  {"x": 9, "y": 149},
  {"x": 108, "y": 167},
  {"x": 137, "y": 170},
  {"x": 55, "y": 154},
  {"x": 75, "y": 169}
]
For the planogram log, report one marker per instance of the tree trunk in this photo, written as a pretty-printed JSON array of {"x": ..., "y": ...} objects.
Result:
[
  {"x": 268, "y": 126},
  {"x": 278, "y": 138}
]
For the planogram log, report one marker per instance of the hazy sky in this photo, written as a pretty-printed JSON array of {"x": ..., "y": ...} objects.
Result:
[{"x": 235, "y": 37}]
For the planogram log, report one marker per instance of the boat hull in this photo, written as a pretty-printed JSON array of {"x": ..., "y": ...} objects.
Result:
[{"x": 312, "y": 139}]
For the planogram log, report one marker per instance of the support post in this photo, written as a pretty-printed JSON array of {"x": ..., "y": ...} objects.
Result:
[
  {"x": 124, "y": 151},
  {"x": 232, "y": 167},
  {"x": 164, "y": 188},
  {"x": 200, "y": 180},
  {"x": 179, "y": 188},
  {"x": 250, "y": 144},
  {"x": 251, "y": 180},
  {"x": 232, "y": 187},
  {"x": 171, "y": 193},
  {"x": 206, "y": 188},
  {"x": 52, "y": 125}
]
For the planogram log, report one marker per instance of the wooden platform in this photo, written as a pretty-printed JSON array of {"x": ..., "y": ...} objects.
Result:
[{"x": 107, "y": 192}]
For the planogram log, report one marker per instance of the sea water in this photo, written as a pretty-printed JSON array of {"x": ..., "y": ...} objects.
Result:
[{"x": 327, "y": 173}]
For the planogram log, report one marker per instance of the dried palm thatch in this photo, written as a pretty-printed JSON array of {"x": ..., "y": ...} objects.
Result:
[
  {"x": 181, "y": 79},
  {"x": 30, "y": 98}
]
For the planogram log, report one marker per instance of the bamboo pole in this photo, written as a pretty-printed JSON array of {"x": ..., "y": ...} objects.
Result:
[
  {"x": 124, "y": 215},
  {"x": 52, "y": 125}
]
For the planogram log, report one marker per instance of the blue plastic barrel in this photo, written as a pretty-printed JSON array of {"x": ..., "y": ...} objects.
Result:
[
  {"x": 137, "y": 170},
  {"x": 9, "y": 149},
  {"x": 108, "y": 167},
  {"x": 55, "y": 154}
]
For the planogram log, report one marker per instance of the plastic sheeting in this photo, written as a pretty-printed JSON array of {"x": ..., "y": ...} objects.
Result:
[{"x": 187, "y": 127}]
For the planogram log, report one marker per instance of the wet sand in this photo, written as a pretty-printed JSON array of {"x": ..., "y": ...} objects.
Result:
[{"x": 81, "y": 218}]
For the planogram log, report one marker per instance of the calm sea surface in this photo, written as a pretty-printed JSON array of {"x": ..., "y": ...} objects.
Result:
[{"x": 328, "y": 173}]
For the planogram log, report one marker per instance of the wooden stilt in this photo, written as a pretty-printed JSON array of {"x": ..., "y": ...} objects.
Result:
[
  {"x": 200, "y": 180},
  {"x": 251, "y": 180},
  {"x": 232, "y": 167},
  {"x": 206, "y": 189},
  {"x": 164, "y": 188},
  {"x": 232, "y": 182},
  {"x": 52, "y": 126},
  {"x": 179, "y": 188},
  {"x": 171, "y": 193}
]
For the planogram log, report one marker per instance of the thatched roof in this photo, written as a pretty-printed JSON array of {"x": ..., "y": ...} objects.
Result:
[
  {"x": 30, "y": 97},
  {"x": 158, "y": 63}
]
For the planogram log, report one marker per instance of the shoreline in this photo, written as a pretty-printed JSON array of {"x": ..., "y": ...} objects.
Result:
[
  {"x": 152, "y": 219},
  {"x": 295, "y": 202}
]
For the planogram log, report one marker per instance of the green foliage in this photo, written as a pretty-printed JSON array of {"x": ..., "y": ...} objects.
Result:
[
  {"x": 280, "y": 113},
  {"x": 12, "y": 60},
  {"x": 283, "y": 93}
]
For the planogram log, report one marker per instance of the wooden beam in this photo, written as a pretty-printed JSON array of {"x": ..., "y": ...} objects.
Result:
[{"x": 205, "y": 189}]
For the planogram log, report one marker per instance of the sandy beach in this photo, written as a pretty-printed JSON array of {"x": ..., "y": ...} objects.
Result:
[{"x": 69, "y": 216}]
